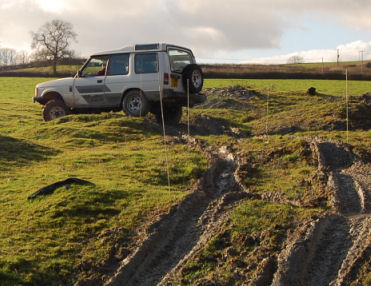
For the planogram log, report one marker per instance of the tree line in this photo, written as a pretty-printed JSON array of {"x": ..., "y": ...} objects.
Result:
[{"x": 10, "y": 57}]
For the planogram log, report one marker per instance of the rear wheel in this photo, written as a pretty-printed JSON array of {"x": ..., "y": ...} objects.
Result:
[
  {"x": 135, "y": 104},
  {"x": 54, "y": 109},
  {"x": 172, "y": 115}
]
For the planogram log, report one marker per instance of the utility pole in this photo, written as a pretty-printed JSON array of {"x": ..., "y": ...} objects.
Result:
[
  {"x": 322, "y": 65},
  {"x": 337, "y": 57}
]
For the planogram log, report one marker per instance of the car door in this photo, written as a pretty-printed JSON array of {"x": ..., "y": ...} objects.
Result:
[
  {"x": 146, "y": 72},
  {"x": 89, "y": 87},
  {"x": 117, "y": 79},
  {"x": 179, "y": 59}
]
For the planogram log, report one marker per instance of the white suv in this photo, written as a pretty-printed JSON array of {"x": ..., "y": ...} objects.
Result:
[{"x": 129, "y": 79}]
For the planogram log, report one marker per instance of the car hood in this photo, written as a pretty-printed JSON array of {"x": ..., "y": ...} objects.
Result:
[{"x": 55, "y": 83}]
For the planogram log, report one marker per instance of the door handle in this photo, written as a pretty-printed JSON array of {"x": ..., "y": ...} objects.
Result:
[{"x": 99, "y": 81}]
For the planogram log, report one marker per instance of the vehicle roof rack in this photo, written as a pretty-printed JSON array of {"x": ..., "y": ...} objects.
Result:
[{"x": 146, "y": 47}]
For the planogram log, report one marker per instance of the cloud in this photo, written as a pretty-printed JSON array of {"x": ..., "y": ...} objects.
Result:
[
  {"x": 348, "y": 52},
  {"x": 209, "y": 27}
]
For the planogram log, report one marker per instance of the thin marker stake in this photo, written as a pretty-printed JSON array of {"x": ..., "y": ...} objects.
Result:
[
  {"x": 188, "y": 111},
  {"x": 164, "y": 133},
  {"x": 346, "y": 102},
  {"x": 266, "y": 122}
]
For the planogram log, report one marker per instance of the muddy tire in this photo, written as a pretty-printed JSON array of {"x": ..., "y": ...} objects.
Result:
[
  {"x": 172, "y": 115},
  {"x": 54, "y": 109},
  {"x": 194, "y": 74},
  {"x": 135, "y": 104}
]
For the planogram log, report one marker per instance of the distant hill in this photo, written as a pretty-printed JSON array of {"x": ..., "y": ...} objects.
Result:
[{"x": 356, "y": 70}]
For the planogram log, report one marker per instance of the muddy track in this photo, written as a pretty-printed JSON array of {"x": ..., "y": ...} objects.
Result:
[
  {"x": 189, "y": 225},
  {"x": 329, "y": 250}
]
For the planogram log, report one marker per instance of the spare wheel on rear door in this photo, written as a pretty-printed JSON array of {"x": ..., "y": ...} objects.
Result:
[{"x": 193, "y": 74}]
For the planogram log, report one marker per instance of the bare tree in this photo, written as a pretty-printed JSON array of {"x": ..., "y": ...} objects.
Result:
[
  {"x": 22, "y": 57},
  {"x": 52, "y": 41},
  {"x": 7, "y": 56},
  {"x": 295, "y": 60}
]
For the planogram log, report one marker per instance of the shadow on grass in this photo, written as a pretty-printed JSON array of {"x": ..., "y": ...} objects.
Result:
[
  {"x": 93, "y": 204},
  {"x": 17, "y": 152},
  {"x": 99, "y": 127},
  {"x": 86, "y": 211},
  {"x": 10, "y": 279},
  {"x": 20, "y": 267},
  {"x": 205, "y": 125}
]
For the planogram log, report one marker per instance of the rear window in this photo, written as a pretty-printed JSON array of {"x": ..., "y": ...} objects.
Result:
[
  {"x": 146, "y": 63},
  {"x": 179, "y": 59}
]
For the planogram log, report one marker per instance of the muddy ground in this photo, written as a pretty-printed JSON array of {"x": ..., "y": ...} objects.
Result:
[{"x": 330, "y": 249}]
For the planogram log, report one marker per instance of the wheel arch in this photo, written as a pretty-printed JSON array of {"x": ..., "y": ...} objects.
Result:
[
  {"x": 50, "y": 95},
  {"x": 129, "y": 90}
]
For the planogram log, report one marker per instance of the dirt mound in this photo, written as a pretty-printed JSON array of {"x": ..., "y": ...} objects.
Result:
[
  {"x": 232, "y": 97},
  {"x": 205, "y": 125},
  {"x": 359, "y": 112},
  {"x": 332, "y": 155},
  {"x": 237, "y": 91}
]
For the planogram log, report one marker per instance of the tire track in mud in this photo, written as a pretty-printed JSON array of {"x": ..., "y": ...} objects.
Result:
[
  {"x": 189, "y": 225},
  {"x": 328, "y": 251}
]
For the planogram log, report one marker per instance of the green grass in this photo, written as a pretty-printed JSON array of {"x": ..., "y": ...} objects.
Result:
[
  {"x": 49, "y": 240},
  {"x": 254, "y": 233},
  {"x": 328, "y": 87},
  {"x": 43, "y": 241},
  {"x": 49, "y": 69},
  {"x": 279, "y": 166}
]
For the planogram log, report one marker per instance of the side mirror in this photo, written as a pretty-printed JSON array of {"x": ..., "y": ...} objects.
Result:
[{"x": 78, "y": 73}]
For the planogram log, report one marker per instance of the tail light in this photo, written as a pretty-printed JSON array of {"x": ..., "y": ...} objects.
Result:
[
  {"x": 36, "y": 92},
  {"x": 166, "y": 78}
]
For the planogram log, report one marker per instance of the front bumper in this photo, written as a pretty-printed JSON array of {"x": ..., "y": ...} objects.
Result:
[{"x": 37, "y": 99}]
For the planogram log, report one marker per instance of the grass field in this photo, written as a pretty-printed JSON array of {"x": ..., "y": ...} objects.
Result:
[
  {"x": 328, "y": 87},
  {"x": 64, "y": 69},
  {"x": 45, "y": 239},
  {"x": 48, "y": 240}
]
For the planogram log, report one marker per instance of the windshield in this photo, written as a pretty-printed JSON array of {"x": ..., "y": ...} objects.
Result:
[{"x": 179, "y": 59}]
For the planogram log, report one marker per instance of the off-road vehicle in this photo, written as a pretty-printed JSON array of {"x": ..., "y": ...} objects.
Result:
[{"x": 132, "y": 79}]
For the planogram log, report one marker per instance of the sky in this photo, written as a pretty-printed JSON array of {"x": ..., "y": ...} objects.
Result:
[{"x": 218, "y": 31}]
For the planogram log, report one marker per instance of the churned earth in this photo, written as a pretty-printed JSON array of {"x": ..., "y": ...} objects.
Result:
[{"x": 323, "y": 237}]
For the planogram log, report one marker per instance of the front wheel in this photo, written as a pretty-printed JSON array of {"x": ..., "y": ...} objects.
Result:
[
  {"x": 135, "y": 104},
  {"x": 54, "y": 109}
]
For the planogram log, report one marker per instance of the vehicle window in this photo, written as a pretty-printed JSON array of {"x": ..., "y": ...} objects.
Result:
[
  {"x": 179, "y": 60},
  {"x": 146, "y": 63},
  {"x": 95, "y": 67},
  {"x": 118, "y": 65}
]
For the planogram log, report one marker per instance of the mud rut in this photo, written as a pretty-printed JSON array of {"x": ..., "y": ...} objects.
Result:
[
  {"x": 187, "y": 227},
  {"x": 328, "y": 251}
]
